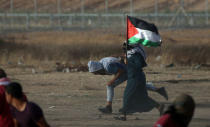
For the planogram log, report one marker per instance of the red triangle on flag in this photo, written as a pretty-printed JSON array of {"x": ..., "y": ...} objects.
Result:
[{"x": 131, "y": 29}]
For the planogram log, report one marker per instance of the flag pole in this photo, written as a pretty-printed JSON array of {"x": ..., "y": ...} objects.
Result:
[{"x": 126, "y": 55}]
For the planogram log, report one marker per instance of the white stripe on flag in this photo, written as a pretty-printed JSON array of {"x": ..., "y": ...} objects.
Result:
[{"x": 148, "y": 35}]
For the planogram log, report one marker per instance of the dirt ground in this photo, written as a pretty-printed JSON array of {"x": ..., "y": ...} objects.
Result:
[{"x": 72, "y": 99}]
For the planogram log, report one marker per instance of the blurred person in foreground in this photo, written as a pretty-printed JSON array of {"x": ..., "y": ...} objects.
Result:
[
  {"x": 25, "y": 113},
  {"x": 179, "y": 114},
  {"x": 6, "y": 119},
  {"x": 118, "y": 68}
]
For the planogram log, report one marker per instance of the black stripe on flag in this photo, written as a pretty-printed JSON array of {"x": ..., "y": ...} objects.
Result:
[{"x": 141, "y": 24}]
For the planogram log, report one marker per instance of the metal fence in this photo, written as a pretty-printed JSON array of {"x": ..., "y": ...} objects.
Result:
[{"x": 34, "y": 19}]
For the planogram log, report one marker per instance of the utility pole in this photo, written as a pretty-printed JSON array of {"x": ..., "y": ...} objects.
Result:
[
  {"x": 82, "y": 7},
  {"x": 182, "y": 3},
  {"x": 35, "y": 10},
  {"x": 11, "y": 6},
  {"x": 59, "y": 11},
  {"x": 131, "y": 7},
  {"x": 156, "y": 10},
  {"x": 106, "y": 5},
  {"x": 107, "y": 11},
  {"x": 35, "y": 6},
  {"x": 11, "y": 11},
  {"x": 58, "y": 6},
  {"x": 207, "y": 12},
  {"x": 82, "y": 12},
  {"x": 180, "y": 19}
]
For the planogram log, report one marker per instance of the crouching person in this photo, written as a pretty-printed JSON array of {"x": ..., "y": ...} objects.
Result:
[
  {"x": 179, "y": 114},
  {"x": 25, "y": 113}
]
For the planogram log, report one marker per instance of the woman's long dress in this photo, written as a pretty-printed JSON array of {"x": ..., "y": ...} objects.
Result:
[{"x": 135, "y": 97}]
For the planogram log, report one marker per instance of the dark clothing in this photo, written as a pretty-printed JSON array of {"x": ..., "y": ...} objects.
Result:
[
  {"x": 6, "y": 119},
  {"x": 173, "y": 119},
  {"x": 166, "y": 121},
  {"x": 135, "y": 97},
  {"x": 28, "y": 118}
]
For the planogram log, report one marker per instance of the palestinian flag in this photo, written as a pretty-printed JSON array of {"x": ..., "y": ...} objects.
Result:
[{"x": 140, "y": 31}]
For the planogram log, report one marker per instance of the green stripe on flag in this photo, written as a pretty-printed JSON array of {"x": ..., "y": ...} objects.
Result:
[{"x": 144, "y": 42}]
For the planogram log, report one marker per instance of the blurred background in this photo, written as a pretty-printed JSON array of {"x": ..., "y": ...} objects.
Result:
[
  {"x": 33, "y": 31},
  {"x": 75, "y": 14}
]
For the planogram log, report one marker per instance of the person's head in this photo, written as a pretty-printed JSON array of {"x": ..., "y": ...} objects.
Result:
[
  {"x": 2, "y": 73},
  {"x": 96, "y": 68},
  {"x": 13, "y": 91},
  {"x": 184, "y": 104},
  {"x": 182, "y": 108}
]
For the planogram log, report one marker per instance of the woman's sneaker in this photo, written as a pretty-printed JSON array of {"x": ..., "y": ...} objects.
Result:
[{"x": 106, "y": 110}]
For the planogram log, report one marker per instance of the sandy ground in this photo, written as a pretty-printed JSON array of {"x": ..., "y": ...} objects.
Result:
[{"x": 72, "y": 99}]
